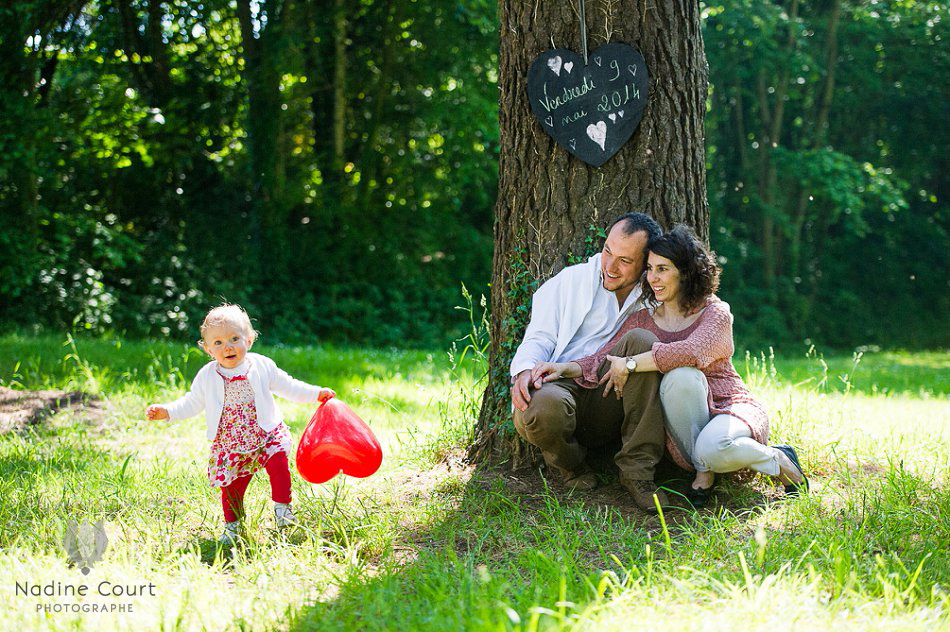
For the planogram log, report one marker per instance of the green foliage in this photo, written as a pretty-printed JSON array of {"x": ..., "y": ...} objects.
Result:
[
  {"x": 843, "y": 186},
  {"x": 521, "y": 284},
  {"x": 468, "y": 373},
  {"x": 593, "y": 240},
  {"x": 158, "y": 158},
  {"x": 190, "y": 167},
  {"x": 836, "y": 229}
]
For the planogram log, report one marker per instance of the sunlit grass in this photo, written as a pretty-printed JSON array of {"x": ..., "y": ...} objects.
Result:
[
  {"x": 423, "y": 545},
  {"x": 921, "y": 373}
]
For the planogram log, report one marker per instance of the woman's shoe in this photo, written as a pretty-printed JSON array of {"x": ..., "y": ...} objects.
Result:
[
  {"x": 699, "y": 497},
  {"x": 793, "y": 489}
]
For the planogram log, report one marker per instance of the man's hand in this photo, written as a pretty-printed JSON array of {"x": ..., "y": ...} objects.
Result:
[
  {"x": 519, "y": 390},
  {"x": 550, "y": 371}
]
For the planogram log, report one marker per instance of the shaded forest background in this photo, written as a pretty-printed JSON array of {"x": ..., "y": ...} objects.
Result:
[{"x": 333, "y": 167}]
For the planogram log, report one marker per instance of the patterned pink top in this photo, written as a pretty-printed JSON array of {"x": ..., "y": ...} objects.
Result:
[
  {"x": 706, "y": 345},
  {"x": 241, "y": 446}
]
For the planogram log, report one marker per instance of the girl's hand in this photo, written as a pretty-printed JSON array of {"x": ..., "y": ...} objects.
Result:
[
  {"x": 156, "y": 413},
  {"x": 616, "y": 376},
  {"x": 325, "y": 394},
  {"x": 550, "y": 371}
]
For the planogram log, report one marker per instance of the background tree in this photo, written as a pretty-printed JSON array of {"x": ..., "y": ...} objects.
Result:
[
  {"x": 162, "y": 156},
  {"x": 815, "y": 134},
  {"x": 550, "y": 205},
  {"x": 350, "y": 150}
]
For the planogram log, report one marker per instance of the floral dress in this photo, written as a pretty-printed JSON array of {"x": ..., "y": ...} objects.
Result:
[{"x": 241, "y": 446}]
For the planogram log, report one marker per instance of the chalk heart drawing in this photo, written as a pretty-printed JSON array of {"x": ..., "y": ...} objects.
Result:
[
  {"x": 575, "y": 102},
  {"x": 598, "y": 133}
]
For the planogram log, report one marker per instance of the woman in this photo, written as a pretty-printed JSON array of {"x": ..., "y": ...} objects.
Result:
[{"x": 714, "y": 425}]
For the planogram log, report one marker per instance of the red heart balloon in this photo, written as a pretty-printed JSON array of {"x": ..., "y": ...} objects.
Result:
[{"x": 337, "y": 440}]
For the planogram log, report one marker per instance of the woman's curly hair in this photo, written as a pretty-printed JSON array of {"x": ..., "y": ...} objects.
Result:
[{"x": 699, "y": 273}]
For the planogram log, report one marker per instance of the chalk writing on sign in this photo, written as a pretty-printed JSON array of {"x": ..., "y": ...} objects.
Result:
[{"x": 592, "y": 110}]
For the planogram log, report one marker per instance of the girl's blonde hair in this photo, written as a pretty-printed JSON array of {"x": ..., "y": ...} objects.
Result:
[{"x": 229, "y": 314}]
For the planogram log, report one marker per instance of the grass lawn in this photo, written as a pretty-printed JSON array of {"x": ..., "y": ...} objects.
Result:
[{"x": 429, "y": 542}]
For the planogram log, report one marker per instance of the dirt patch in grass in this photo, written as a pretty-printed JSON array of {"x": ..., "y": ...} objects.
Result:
[
  {"x": 19, "y": 409},
  {"x": 734, "y": 492}
]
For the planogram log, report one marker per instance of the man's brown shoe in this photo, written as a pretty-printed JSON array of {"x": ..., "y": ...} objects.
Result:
[
  {"x": 643, "y": 492},
  {"x": 580, "y": 482}
]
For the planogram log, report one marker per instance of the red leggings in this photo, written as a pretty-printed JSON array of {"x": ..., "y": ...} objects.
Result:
[{"x": 232, "y": 496}]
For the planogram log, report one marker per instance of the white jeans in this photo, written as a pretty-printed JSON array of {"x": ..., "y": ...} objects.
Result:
[{"x": 721, "y": 444}]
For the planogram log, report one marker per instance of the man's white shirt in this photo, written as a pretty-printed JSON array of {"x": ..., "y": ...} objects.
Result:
[{"x": 572, "y": 316}]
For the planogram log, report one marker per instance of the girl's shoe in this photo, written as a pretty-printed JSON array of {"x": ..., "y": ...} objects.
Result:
[
  {"x": 231, "y": 536},
  {"x": 285, "y": 517}
]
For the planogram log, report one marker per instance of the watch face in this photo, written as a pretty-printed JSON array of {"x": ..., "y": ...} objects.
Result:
[{"x": 631, "y": 364}]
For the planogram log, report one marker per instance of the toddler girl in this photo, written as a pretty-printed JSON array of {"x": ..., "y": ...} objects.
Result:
[{"x": 244, "y": 424}]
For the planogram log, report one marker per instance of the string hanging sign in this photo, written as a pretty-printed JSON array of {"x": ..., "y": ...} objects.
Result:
[{"x": 590, "y": 106}]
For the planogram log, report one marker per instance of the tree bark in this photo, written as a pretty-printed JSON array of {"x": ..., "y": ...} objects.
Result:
[
  {"x": 551, "y": 205},
  {"x": 269, "y": 209},
  {"x": 819, "y": 137},
  {"x": 772, "y": 121},
  {"x": 151, "y": 69},
  {"x": 339, "y": 83}
]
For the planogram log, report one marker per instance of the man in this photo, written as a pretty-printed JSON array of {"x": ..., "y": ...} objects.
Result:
[{"x": 572, "y": 315}]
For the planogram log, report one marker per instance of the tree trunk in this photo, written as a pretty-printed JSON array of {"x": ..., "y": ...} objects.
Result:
[
  {"x": 268, "y": 209},
  {"x": 551, "y": 205},
  {"x": 819, "y": 134},
  {"x": 772, "y": 121},
  {"x": 24, "y": 131},
  {"x": 151, "y": 69},
  {"x": 20, "y": 132},
  {"x": 339, "y": 84}
]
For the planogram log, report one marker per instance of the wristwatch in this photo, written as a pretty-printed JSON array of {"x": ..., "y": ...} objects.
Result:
[{"x": 631, "y": 364}]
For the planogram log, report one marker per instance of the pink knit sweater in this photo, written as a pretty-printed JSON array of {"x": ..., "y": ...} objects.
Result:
[{"x": 706, "y": 345}]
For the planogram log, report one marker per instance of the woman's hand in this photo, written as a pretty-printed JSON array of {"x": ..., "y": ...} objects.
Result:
[
  {"x": 616, "y": 376},
  {"x": 550, "y": 371},
  {"x": 325, "y": 394}
]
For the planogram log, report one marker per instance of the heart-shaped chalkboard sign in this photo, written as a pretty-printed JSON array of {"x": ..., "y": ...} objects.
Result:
[{"x": 592, "y": 110}]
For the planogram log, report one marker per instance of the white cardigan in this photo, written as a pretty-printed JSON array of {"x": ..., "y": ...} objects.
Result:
[
  {"x": 558, "y": 310},
  {"x": 207, "y": 391}
]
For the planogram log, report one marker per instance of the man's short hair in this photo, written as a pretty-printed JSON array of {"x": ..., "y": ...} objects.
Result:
[{"x": 636, "y": 222}]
